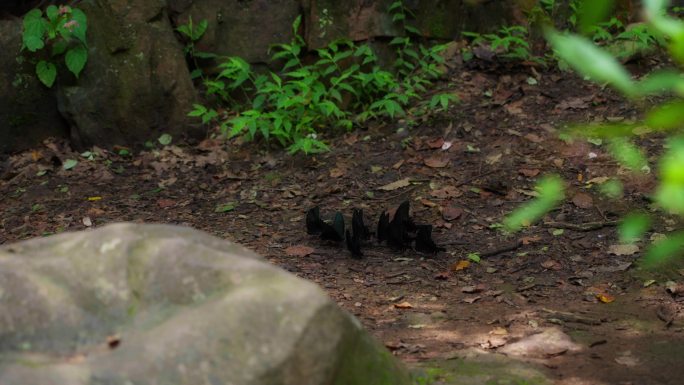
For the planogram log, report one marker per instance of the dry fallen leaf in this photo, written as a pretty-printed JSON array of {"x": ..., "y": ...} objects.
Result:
[
  {"x": 443, "y": 276},
  {"x": 299, "y": 251},
  {"x": 337, "y": 172},
  {"x": 451, "y": 213},
  {"x": 165, "y": 203},
  {"x": 627, "y": 249},
  {"x": 437, "y": 162},
  {"x": 428, "y": 203},
  {"x": 460, "y": 265},
  {"x": 529, "y": 172},
  {"x": 403, "y": 305},
  {"x": 436, "y": 143},
  {"x": 446, "y": 192},
  {"x": 396, "y": 185},
  {"x": 528, "y": 240},
  {"x": 605, "y": 298},
  {"x": 583, "y": 200}
]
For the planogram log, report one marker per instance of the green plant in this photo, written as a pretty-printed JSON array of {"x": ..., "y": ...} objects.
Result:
[
  {"x": 63, "y": 30},
  {"x": 668, "y": 117},
  {"x": 343, "y": 85},
  {"x": 510, "y": 42},
  {"x": 193, "y": 33}
]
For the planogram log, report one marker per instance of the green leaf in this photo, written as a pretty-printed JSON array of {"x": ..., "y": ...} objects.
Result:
[
  {"x": 475, "y": 257},
  {"x": 34, "y": 30},
  {"x": 81, "y": 28},
  {"x": 633, "y": 227},
  {"x": 667, "y": 116},
  {"x": 550, "y": 194},
  {"x": 76, "y": 59},
  {"x": 69, "y": 164},
  {"x": 628, "y": 154},
  {"x": 200, "y": 30},
  {"x": 47, "y": 72},
  {"x": 591, "y": 12},
  {"x": 52, "y": 13},
  {"x": 592, "y": 61},
  {"x": 165, "y": 139},
  {"x": 225, "y": 207},
  {"x": 59, "y": 47},
  {"x": 664, "y": 251}
]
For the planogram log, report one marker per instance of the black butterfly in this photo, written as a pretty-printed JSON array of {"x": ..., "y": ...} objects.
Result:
[
  {"x": 424, "y": 242},
  {"x": 397, "y": 232},
  {"x": 328, "y": 232},
  {"x": 359, "y": 234}
]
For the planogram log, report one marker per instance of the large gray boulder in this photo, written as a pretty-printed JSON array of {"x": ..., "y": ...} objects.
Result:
[
  {"x": 28, "y": 112},
  {"x": 157, "y": 304},
  {"x": 136, "y": 84}
]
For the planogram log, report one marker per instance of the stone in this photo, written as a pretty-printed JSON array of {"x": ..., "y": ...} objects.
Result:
[
  {"x": 136, "y": 84},
  {"x": 327, "y": 20},
  {"x": 245, "y": 28},
  {"x": 159, "y": 304},
  {"x": 28, "y": 110}
]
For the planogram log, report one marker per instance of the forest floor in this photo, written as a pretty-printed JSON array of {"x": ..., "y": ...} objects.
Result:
[{"x": 562, "y": 298}]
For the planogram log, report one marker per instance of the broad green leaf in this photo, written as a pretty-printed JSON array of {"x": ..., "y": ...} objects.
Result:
[
  {"x": 81, "y": 28},
  {"x": 591, "y": 12},
  {"x": 34, "y": 30},
  {"x": 667, "y": 116},
  {"x": 672, "y": 163},
  {"x": 47, "y": 72},
  {"x": 551, "y": 193},
  {"x": 165, "y": 139},
  {"x": 661, "y": 82},
  {"x": 664, "y": 251},
  {"x": 69, "y": 164},
  {"x": 592, "y": 61},
  {"x": 633, "y": 227},
  {"x": 224, "y": 208},
  {"x": 628, "y": 154},
  {"x": 76, "y": 59},
  {"x": 52, "y": 12}
]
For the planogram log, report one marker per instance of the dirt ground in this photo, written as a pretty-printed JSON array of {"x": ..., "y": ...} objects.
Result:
[{"x": 561, "y": 296}]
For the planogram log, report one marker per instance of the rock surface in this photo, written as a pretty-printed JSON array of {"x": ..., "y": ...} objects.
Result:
[
  {"x": 28, "y": 110},
  {"x": 157, "y": 304},
  {"x": 241, "y": 28},
  {"x": 136, "y": 84}
]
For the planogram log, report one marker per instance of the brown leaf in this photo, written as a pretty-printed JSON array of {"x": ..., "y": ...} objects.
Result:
[
  {"x": 397, "y": 165},
  {"x": 165, "y": 203},
  {"x": 451, "y": 213},
  {"x": 436, "y": 143},
  {"x": 460, "y": 265},
  {"x": 351, "y": 139},
  {"x": 471, "y": 299},
  {"x": 446, "y": 192},
  {"x": 627, "y": 249},
  {"x": 337, "y": 172},
  {"x": 529, "y": 172},
  {"x": 583, "y": 200},
  {"x": 442, "y": 276},
  {"x": 428, "y": 203},
  {"x": 534, "y": 138},
  {"x": 528, "y": 240},
  {"x": 396, "y": 185},
  {"x": 299, "y": 251},
  {"x": 551, "y": 264},
  {"x": 403, "y": 305},
  {"x": 437, "y": 162},
  {"x": 605, "y": 298}
]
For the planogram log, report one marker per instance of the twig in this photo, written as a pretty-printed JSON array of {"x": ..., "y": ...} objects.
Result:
[
  {"x": 589, "y": 226},
  {"x": 502, "y": 249}
]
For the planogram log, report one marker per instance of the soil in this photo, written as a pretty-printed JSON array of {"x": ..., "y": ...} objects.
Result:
[{"x": 562, "y": 296}]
